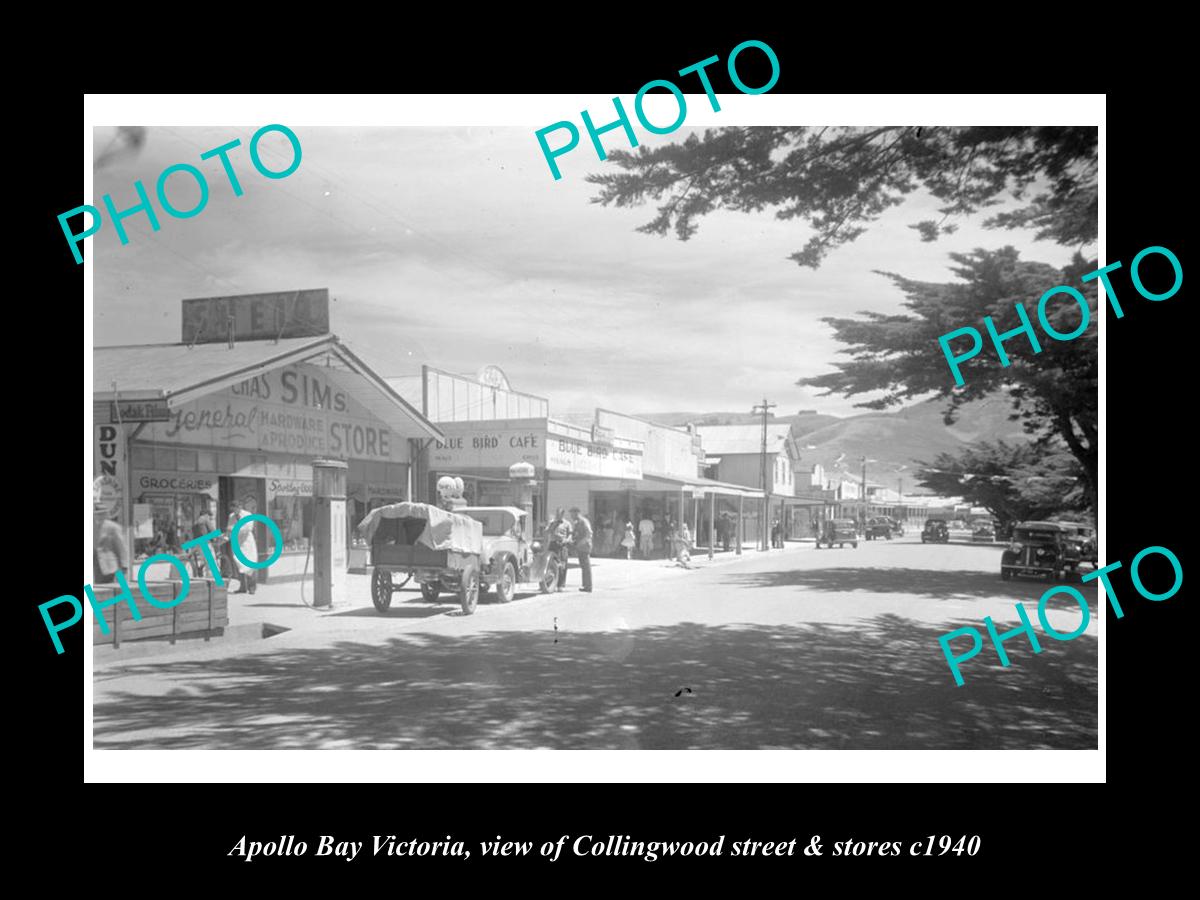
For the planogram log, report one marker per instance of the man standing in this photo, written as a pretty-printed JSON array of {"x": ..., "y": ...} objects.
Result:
[
  {"x": 247, "y": 544},
  {"x": 109, "y": 553},
  {"x": 560, "y": 541},
  {"x": 582, "y": 530},
  {"x": 646, "y": 532}
]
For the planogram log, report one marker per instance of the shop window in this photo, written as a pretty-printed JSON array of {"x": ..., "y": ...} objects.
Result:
[
  {"x": 206, "y": 461},
  {"x": 185, "y": 460},
  {"x": 293, "y": 515},
  {"x": 142, "y": 456},
  {"x": 164, "y": 458},
  {"x": 226, "y": 462}
]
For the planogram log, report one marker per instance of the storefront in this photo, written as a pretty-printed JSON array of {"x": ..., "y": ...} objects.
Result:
[
  {"x": 568, "y": 461},
  {"x": 203, "y": 429}
]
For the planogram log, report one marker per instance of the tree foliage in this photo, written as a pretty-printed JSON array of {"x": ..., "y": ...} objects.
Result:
[
  {"x": 839, "y": 179},
  {"x": 1054, "y": 392},
  {"x": 1014, "y": 482}
]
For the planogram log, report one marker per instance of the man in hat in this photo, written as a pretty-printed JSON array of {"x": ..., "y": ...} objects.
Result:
[
  {"x": 581, "y": 529},
  {"x": 109, "y": 552}
]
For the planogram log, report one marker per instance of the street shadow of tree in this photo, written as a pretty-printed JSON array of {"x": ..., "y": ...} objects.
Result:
[
  {"x": 938, "y": 584},
  {"x": 883, "y": 684}
]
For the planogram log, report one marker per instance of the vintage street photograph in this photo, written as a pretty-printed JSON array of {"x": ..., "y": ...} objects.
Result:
[{"x": 664, "y": 454}]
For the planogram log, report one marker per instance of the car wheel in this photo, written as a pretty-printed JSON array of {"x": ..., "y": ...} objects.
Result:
[
  {"x": 550, "y": 576},
  {"x": 381, "y": 589},
  {"x": 430, "y": 592},
  {"x": 854, "y": 546},
  {"x": 506, "y": 586},
  {"x": 468, "y": 590},
  {"x": 1006, "y": 575}
]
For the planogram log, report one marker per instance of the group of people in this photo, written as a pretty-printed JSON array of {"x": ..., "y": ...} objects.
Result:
[
  {"x": 571, "y": 535},
  {"x": 110, "y": 553}
]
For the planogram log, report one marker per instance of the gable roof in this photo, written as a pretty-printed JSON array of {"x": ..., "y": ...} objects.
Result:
[
  {"x": 180, "y": 373},
  {"x": 723, "y": 440}
]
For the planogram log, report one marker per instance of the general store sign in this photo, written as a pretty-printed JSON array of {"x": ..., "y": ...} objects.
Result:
[{"x": 295, "y": 409}]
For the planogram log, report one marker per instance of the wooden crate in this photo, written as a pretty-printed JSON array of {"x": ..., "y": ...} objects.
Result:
[{"x": 204, "y": 612}]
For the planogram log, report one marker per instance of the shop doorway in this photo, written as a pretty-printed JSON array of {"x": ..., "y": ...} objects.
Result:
[{"x": 231, "y": 490}]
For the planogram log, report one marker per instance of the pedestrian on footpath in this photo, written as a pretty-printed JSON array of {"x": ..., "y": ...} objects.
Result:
[
  {"x": 683, "y": 541},
  {"x": 560, "y": 542},
  {"x": 247, "y": 543},
  {"x": 628, "y": 541},
  {"x": 109, "y": 552},
  {"x": 646, "y": 530},
  {"x": 581, "y": 528}
]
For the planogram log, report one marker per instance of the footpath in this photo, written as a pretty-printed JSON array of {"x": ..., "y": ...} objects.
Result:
[{"x": 277, "y": 615}]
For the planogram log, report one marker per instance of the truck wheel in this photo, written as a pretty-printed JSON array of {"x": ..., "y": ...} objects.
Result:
[
  {"x": 1006, "y": 575},
  {"x": 468, "y": 590},
  {"x": 506, "y": 587},
  {"x": 430, "y": 592},
  {"x": 381, "y": 589}
]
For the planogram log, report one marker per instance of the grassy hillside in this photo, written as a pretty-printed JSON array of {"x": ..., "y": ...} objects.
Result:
[{"x": 891, "y": 439}]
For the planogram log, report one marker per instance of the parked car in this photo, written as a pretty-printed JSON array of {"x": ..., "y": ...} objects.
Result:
[
  {"x": 1038, "y": 549},
  {"x": 983, "y": 531},
  {"x": 935, "y": 532},
  {"x": 462, "y": 552},
  {"x": 878, "y": 527},
  {"x": 840, "y": 532},
  {"x": 1081, "y": 543}
]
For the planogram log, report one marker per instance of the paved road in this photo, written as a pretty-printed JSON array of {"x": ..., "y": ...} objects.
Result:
[{"x": 802, "y": 648}]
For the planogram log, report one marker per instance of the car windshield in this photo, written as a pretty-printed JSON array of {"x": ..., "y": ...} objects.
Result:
[
  {"x": 1031, "y": 536},
  {"x": 495, "y": 521}
]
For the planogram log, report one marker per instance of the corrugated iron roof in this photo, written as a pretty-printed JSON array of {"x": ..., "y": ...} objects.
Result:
[
  {"x": 160, "y": 370},
  {"x": 727, "y": 439}
]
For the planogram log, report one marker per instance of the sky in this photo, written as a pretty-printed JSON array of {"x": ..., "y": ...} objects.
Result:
[{"x": 455, "y": 247}]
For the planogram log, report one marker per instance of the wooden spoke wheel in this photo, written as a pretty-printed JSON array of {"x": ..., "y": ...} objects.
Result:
[
  {"x": 468, "y": 590},
  {"x": 381, "y": 589},
  {"x": 506, "y": 585}
]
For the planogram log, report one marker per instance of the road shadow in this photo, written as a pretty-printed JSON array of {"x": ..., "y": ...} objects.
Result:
[
  {"x": 394, "y": 612},
  {"x": 937, "y": 584},
  {"x": 884, "y": 684}
]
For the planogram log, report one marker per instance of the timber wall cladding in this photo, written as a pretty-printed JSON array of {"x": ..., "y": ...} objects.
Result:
[{"x": 204, "y": 612}]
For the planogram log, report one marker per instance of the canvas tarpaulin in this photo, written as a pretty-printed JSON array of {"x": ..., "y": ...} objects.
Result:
[{"x": 442, "y": 531}]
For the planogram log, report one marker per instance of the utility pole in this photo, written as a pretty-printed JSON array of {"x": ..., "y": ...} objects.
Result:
[
  {"x": 764, "y": 526},
  {"x": 864, "y": 494}
]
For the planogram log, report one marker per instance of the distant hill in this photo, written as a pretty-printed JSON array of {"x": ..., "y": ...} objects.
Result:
[{"x": 891, "y": 439}]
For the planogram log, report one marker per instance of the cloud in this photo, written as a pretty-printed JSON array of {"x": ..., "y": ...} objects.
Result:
[{"x": 453, "y": 247}]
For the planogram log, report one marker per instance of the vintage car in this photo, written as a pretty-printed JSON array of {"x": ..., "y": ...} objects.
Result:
[
  {"x": 460, "y": 552},
  {"x": 935, "y": 532},
  {"x": 1038, "y": 549},
  {"x": 879, "y": 527},
  {"x": 983, "y": 531},
  {"x": 838, "y": 531},
  {"x": 1081, "y": 543},
  {"x": 515, "y": 561}
]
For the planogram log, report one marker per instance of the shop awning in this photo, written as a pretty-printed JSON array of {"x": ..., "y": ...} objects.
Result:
[{"x": 705, "y": 485}]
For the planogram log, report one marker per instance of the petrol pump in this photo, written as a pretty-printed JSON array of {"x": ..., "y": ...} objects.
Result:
[
  {"x": 521, "y": 475},
  {"x": 329, "y": 532}
]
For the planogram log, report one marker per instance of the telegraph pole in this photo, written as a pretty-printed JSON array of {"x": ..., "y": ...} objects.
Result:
[
  {"x": 764, "y": 526},
  {"x": 864, "y": 494}
]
